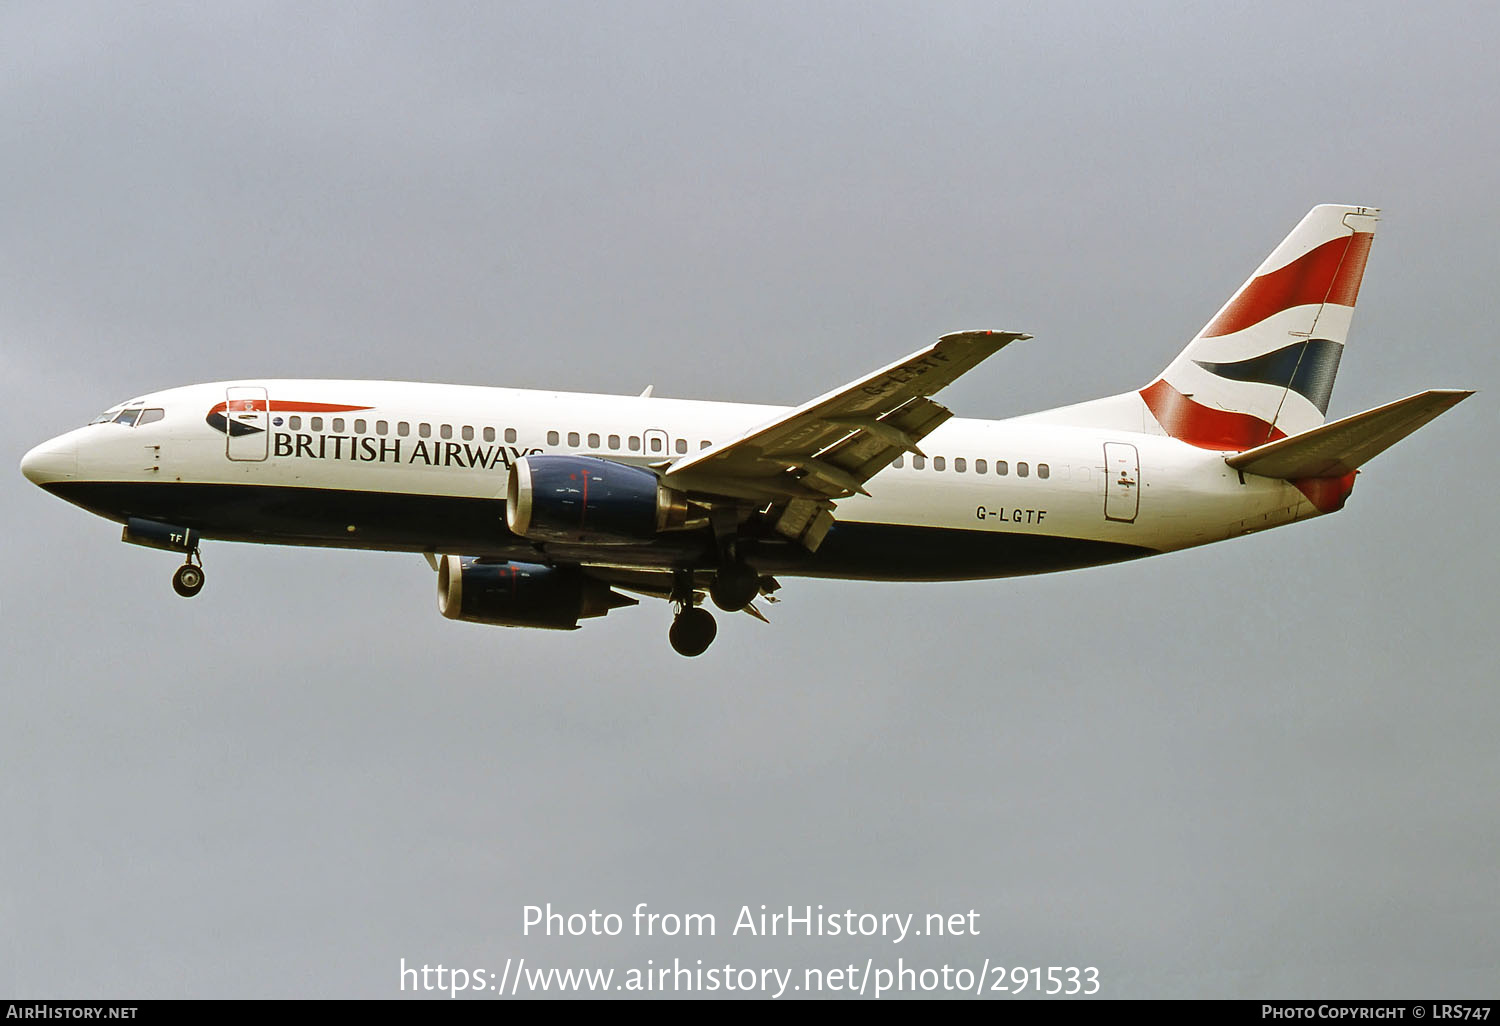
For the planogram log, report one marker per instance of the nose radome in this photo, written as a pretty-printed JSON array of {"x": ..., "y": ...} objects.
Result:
[{"x": 55, "y": 460}]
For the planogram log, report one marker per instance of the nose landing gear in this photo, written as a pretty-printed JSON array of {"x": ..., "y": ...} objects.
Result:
[{"x": 188, "y": 580}]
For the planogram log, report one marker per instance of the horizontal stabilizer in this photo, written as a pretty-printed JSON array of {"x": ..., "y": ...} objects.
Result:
[{"x": 1340, "y": 448}]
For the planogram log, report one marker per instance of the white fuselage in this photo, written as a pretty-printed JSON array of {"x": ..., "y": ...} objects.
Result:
[{"x": 423, "y": 467}]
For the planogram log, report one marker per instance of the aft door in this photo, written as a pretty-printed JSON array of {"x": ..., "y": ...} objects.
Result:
[
  {"x": 1122, "y": 482},
  {"x": 246, "y": 420}
]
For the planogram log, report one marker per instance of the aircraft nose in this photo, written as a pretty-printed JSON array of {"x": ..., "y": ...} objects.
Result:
[{"x": 55, "y": 460}]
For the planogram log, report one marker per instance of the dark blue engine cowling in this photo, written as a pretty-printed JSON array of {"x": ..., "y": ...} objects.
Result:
[
  {"x": 521, "y": 594},
  {"x": 584, "y": 499}
]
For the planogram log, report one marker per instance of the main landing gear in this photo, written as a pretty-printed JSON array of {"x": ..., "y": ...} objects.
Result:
[
  {"x": 693, "y": 628},
  {"x": 734, "y": 587},
  {"x": 188, "y": 580}
]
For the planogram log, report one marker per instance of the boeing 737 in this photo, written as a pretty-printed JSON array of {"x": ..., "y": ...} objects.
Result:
[{"x": 541, "y": 509}]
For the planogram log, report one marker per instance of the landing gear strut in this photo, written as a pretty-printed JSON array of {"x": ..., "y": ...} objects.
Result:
[
  {"x": 693, "y": 628},
  {"x": 188, "y": 580}
]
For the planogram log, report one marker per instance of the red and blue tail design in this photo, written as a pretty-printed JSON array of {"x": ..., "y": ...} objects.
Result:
[{"x": 1263, "y": 368}]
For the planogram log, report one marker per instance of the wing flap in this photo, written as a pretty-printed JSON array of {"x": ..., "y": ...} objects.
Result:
[
  {"x": 829, "y": 447},
  {"x": 1343, "y": 446},
  {"x": 868, "y": 445}
]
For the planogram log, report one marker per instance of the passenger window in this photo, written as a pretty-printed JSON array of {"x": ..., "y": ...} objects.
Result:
[
  {"x": 614, "y": 441},
  {"x": 359, "y": 427},
  {"x": 1043, "y": 471},
  {"x": 382, "y": 427},
  {"x": 960, "y": 465},
  {"x": 681, "y": 446},
  {"x": 939, "y": 463},
  {"x": 573, "y": 439},
  {"x": 295, "y": 423},
  {"x": 338, "y": 424},
  {"x": 900, "y": 461},
  {"x": 655, "y": 444},
  {"x": 918, "y": 462},
  {"x": 704, "y": 444},
  {"x": 424, "y": 429},
  {"x": 1002, "y": 468},
  {"x": 150, "y": 416},
  {"x": 316, "y": 423},
  {"x": 489, "y": 434},
  {"x": 467, "y": 433},
  {"x": 1022, "y": 470},
  {"x": 446, "y": 431},
  {"x": 980, "y": 467},
  {"x": 403, "y": 428},
  {"x": 635, "y": 443},
  {"x": 553, "y": 438},
  {"x": 510, "y": 434},
  {"x": 593, "y": 441}
]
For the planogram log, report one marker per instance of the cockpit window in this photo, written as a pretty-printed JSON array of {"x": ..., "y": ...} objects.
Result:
[{"x": 133, "y": 417}]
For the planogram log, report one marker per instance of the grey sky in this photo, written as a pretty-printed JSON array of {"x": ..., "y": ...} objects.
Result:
[{"x": 1262, "y": 767}]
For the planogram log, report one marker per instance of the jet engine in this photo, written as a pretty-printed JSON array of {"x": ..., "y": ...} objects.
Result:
[
  {"x": 521, "y": 594},
  {"x": 592, "y": 501}
]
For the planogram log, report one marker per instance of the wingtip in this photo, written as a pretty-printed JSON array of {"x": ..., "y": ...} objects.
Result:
[{"x": 976, "y": 334}]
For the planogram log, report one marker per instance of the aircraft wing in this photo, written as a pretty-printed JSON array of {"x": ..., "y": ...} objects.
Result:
[{"x": 826, "y": 449}]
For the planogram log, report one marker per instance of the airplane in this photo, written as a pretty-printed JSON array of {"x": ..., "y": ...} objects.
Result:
[{"x": 541, "y": 509}]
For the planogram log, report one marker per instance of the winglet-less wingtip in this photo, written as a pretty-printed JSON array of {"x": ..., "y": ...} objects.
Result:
[{"x": 989, "y": 334}]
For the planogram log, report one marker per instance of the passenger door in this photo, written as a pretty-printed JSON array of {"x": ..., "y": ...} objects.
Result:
[
  {"x": 1122, "y": 482},
  {"x": 247, "y": 417}
]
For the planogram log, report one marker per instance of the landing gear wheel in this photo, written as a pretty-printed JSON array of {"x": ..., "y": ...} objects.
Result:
[
  {"x": 734, "y": 587},
  {"x": 188, "y": 580},
  {"x": 693, "y": 631}
]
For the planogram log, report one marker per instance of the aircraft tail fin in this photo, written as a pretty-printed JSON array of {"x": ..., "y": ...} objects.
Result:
[
  {"x": 1339, "y": 449},
  {"x": 1263, "y": 367}
]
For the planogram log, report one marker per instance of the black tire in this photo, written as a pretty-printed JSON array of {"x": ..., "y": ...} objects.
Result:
[
  {"x": 188, "y": 580},
  {"x": 693, "y": 631},
  {"x": 734, "y": 587}
]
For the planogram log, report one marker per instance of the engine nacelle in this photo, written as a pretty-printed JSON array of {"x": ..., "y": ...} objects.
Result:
[
  {"x": 592, "y": 501},
  {"x": 521, "y": 594}
]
